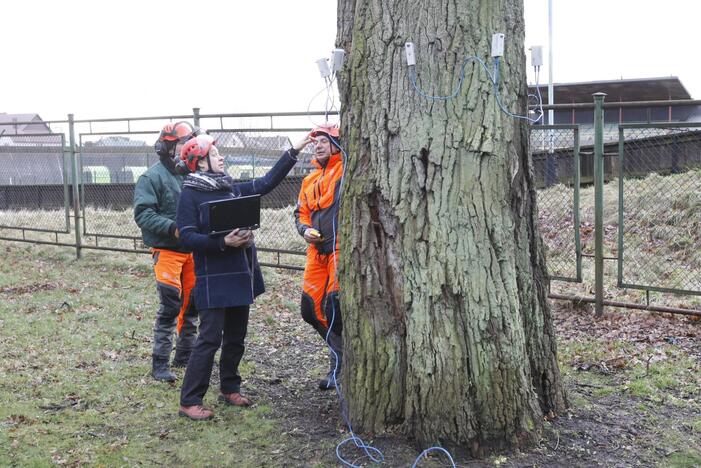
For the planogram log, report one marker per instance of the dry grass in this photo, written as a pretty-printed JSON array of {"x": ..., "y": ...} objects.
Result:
[
  {"x": 277, "y": 228},
  {"x": 661, "y": 242},
  {"x": 662, "y": 235}
]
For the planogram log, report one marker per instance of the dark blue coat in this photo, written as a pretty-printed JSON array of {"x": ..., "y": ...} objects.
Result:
[{"x": 226, "y": 276}]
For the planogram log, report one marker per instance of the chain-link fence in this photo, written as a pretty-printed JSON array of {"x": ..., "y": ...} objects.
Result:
[
  {"x": 34, "y": 185},
  {"x": 251, "y": 154},
  {"x": 37, "y": 196},
  {"x": 659, "y": 210},
  {"x": 650, "y": 192},
  {"x": 555, "y": 152},
  {"x": 109, "y": 165}
]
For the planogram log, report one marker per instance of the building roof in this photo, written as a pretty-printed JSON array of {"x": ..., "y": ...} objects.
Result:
[
  {"x": 251, "y": 142},
  {"x": 7, "y": 123},
  {"x": 636, "y": 89}
]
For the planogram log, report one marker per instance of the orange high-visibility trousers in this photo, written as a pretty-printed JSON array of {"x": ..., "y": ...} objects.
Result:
[
  {"x": 175, "y": 270},
  {"x": 320, "y": 306}
]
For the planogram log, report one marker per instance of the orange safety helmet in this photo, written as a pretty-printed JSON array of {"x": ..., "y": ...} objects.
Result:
[
  {"x": 179, "y": 131},
  {"x": 195, "y": 149},
  {"x": 171, "y": 134},
  {"x": 329, "y": 131}
]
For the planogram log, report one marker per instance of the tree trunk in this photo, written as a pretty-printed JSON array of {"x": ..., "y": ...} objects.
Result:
[{"x": 448, "y": 333}]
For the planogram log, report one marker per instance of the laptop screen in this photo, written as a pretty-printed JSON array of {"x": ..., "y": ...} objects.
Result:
[{"x": 234, "y": 213}]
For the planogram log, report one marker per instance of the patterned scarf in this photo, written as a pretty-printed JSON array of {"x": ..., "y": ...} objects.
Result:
[{"x": 208, "y": 181}]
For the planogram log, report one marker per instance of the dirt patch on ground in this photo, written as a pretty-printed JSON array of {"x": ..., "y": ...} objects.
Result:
[{"x": 599, "y": 429}]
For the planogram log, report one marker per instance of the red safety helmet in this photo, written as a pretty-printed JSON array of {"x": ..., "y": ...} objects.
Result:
[
  {"x": 179, "y": 131},
  {"x": 329, "y": 131},
  {"x": 195, "y": 149}
]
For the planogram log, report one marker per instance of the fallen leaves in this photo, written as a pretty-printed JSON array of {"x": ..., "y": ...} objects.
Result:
[
  {"x": 29, "y": 288},
  {"x": 649, "y": 330}
]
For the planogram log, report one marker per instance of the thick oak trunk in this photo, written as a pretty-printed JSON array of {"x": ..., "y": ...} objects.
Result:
[{"x": 448, "y": 333}]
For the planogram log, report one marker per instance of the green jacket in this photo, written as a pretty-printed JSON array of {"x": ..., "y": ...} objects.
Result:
[{"x": 155, "y": 203}]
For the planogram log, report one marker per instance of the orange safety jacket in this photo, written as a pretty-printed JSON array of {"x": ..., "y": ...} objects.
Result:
[{"x": 318, "y": 201}]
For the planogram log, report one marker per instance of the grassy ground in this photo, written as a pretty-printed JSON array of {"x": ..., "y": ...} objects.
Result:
[{"x": 75, "y": 344}]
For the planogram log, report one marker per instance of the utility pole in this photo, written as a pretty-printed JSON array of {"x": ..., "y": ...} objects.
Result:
[{"x": 550, "y": 161}]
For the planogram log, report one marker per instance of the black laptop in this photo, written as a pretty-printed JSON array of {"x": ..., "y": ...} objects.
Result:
[{"x": 234, "y": 213}]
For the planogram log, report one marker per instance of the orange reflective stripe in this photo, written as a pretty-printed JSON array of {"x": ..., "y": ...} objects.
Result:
[{"x": 188, "y": 283}]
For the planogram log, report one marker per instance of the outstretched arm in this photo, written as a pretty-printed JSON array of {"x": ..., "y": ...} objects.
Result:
[{"x": 276, "y": 174}]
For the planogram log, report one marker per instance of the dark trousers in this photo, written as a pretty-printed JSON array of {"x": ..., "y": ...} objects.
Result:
[{"x": 218, "y": 327}]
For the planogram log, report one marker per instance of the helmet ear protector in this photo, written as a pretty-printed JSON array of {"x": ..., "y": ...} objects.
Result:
[
  {"x": 335, "y": 147},
  {"x": 164, "y": 148},
  {"x": 181, "y": 167}
]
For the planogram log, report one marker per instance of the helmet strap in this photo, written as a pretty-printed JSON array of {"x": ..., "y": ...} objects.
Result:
[{"x": 334, "y": 145}]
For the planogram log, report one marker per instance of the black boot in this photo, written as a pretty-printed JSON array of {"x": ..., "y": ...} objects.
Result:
[
  {"x": 161, "y": 371},
  {"x": 335, "y": 342},
  {"x": 181, "y": 358}
]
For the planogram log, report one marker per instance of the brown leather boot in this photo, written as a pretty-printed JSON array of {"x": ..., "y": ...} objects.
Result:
[
  {"x": 235, "y": 399},
  {"x": 196, "y": 412}
]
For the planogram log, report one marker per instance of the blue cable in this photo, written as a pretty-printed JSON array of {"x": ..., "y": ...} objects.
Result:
[
  {"x": 537, "y": 90},
  {"x": 368, "y": 449},
  {"x": 426, "y": 452},
  {"x": 493, "y": 78},
  {"x": 495, "y": 81},
  {"x": 412, "y": 78}
]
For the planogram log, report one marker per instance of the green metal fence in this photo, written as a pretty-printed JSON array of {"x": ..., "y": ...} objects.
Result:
[
  {"x": 638, "y": 199},
  {"x": 659, "y": 207},
  {"x": 626, "y": 204},
  {"x": 34, "y": 186},
  {"x": 39, "y": 203},
  {"x": 555, "y": 152}
]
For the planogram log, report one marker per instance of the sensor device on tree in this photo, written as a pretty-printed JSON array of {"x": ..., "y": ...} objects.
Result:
[
  {"x": 498, "y": 45},
  {"x": 338, "y": 56},
  {"x": 324, "y": 69},
  {"x": 409, "y": 51}
]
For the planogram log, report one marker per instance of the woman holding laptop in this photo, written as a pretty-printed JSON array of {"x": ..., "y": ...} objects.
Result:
[{"x": 226, "y": 268}]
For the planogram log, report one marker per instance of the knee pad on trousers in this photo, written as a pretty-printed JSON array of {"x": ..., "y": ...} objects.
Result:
[
  {"x": 170, "y": 302},
  {"x": 332, "y": 309},
  {"x": 307, "y": 309}
]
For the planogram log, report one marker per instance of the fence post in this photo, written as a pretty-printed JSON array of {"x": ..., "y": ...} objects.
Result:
[
  {"x": 599, "y": 203},
  {"x": 550, "y": 161},
  {"x": 65, "y": 155},
  {"x": 76, "y": 192},
  {"x": 196, "y": 116},
  {"x": 621, "y": 156},
  {"x": 576, "y": 218}
]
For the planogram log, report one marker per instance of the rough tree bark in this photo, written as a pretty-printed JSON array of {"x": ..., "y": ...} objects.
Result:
[{"x": 448, "y": 333}]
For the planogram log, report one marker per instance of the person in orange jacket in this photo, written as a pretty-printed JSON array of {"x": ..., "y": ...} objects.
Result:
[{"x": 316, "y": 219}]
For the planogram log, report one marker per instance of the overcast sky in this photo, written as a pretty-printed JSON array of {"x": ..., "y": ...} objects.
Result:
[{"x": 151, "y": 57}]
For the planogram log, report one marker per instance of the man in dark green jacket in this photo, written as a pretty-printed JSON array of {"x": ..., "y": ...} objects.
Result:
[{"x": 155, "y": 204}]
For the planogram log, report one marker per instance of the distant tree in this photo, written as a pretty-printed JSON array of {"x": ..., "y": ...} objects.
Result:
[{"x": 448, "y": 332}]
